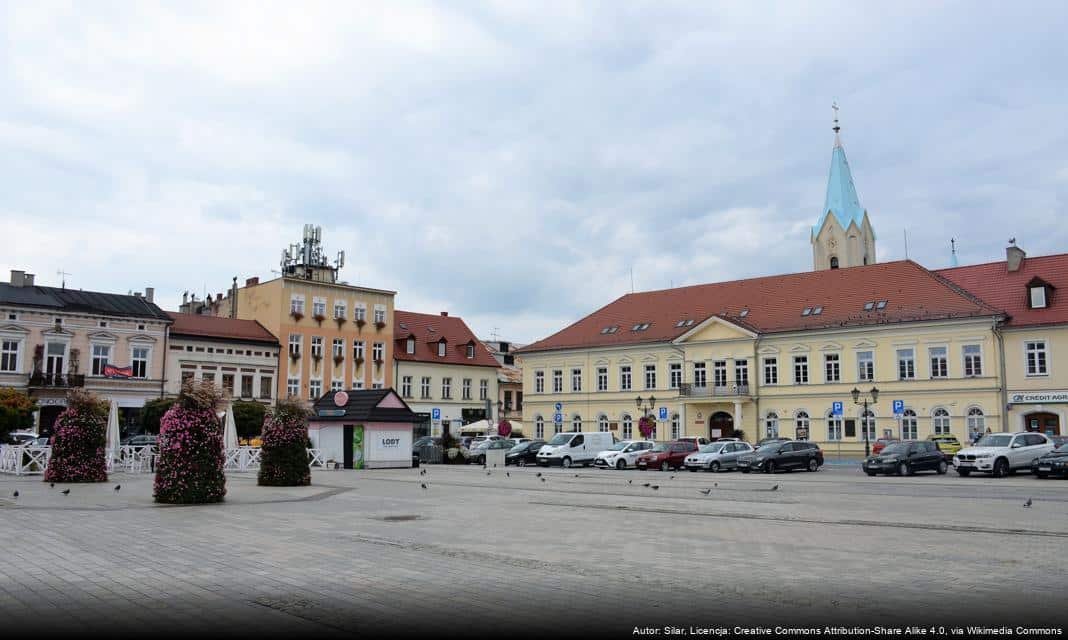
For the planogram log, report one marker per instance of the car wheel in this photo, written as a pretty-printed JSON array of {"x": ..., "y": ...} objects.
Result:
[
  {"x": 903, "y": 469},
  {"x": 769, "y": 467},
  {"x": 1001, "y": 467},
  {"x": 964, "y": 473},
  {"x": 621, "y": 464},
  {"x": 691, "y": 469},
  {"x": 566, "y": 463},
  {"x": 942, "y": 467},
  {"x": 744, "y": 470},
  {"x": 714, "y": 467},
  {"x": 664, "y": 466},
  {"x": 1041, "y": 475},
  {"x": 813, "y": 464},
  {"x": 520, "y": 463},
  {"x": 871, "y": 474}
]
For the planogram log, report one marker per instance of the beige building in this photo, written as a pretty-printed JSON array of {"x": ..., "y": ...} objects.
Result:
[{"x": 55, "y": 339}]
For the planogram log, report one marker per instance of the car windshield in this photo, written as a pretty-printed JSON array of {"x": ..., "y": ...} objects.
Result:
[
  {"x": 1063, "y": 448},
  {"x": 561, "y": 438},
  {"x": 711, "y": 448},
  {"x": 897, "y": 447},
  {"x": 619, "y": 446},
  {"x": 1000, "y": 440},
  {"x": 659, "y": 448}
]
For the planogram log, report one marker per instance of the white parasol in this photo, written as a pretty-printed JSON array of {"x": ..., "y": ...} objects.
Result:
[{"x": 230, "y": 429}]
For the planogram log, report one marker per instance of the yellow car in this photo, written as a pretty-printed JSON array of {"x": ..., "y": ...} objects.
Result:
[{"x": 947, "y": 443}]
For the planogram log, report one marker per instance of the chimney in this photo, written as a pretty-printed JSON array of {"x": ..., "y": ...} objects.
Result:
[
  {"x": 185, "y": 297},
  {"x": 1014, "y": 257},
  {"x": 150, "y": 294},
  {"x": 17, "y": 277},
  {"x": 251, "y": 282},
  {"x": 444, "y": 314},
  {"x": 27, "y": 280},
  {"x": 233, "y": 298}
]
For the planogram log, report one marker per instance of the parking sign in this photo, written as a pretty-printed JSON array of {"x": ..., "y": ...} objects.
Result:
[
  {"x": 663, "y": 414},
  {"x": 899, "y": 407},
  {"x": 558, "y": 418},
  {"x": 836, "y": 408},
  {"x": 435, "y": 414},
  {"x": 559, "y": 406}
]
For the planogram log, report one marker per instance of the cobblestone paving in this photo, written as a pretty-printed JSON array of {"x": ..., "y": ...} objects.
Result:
[{"x": 585, "y": 550}]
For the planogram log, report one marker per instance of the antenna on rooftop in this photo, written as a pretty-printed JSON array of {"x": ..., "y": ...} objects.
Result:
[
  {"x": 63, "y": 277},
  {"x": 906, "y": 232}
]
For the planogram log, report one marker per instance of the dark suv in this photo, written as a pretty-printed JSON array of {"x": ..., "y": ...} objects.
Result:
[
  {"x": 776, "y": 456},
  {"x": 907, "y": 457}
]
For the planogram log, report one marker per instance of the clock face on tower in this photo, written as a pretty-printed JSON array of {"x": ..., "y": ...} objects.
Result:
[{"x": 832, "y": 243}]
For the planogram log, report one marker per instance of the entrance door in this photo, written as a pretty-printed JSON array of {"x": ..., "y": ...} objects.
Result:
[
  {"x": 346, "y": 446},
  {"x": 1046, "y": 423},
  {"x": 54, "y": 359},
  {"x": 46, "y": 425},
  {"x": 720, "y": 425}
]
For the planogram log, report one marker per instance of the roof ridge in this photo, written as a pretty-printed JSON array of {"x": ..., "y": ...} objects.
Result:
[
  {"x": 993, "y": 262},
  {"x": 874, "y": 265}
]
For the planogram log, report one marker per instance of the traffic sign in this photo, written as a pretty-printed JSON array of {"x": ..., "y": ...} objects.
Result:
[
  {"x": 663, "y": 414},
  {"x": 435, "y": 414},
  {"x": 836, "y": 408},
  {"x": 899, "y": 407},
  {"x": 558, "y": 418},
  {"x": 559, "y": 406}
]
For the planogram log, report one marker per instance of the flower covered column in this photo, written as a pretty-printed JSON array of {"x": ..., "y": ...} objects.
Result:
[{"x": 191, "y": 458}]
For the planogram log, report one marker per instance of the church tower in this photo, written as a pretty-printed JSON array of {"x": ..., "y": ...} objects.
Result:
[{"x": 843, "y": 236}]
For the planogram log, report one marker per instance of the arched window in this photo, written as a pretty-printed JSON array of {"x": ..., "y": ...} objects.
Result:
[
  {"x": 941, "y": 421},
  {"x": 908, "y": 425},
  {"x": 867, "y": 425},
  {"x": 576, "y": 422},
  {"x": 771, "y": 425},
  {"x": 834, "y": 427},
  {"x": 676, "y": 427},
  {"x": 976, "y": 421},
  {"x": 628, "y": 427},
  {"x": 834, "y": 262},
  {"x": 801, "y": 424},
  {"x": 539, "y": 427},
  {"x": 602, "y": 422}
]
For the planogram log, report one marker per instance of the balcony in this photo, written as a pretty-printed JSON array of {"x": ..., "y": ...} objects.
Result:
[
  {"x": 57, "y": 380},
  {"x": 689, "y": 390}
]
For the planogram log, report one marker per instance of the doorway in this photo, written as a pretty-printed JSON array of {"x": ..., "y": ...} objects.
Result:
[
  {"x": 1047, "y": 423},
  {"x": 352, "y": 446},
  {"x": 720, "y": 425},
  {"x": 46, "y": 426}
]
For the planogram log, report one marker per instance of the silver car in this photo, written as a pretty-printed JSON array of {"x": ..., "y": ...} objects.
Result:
[{"x": 717, "y": 456}]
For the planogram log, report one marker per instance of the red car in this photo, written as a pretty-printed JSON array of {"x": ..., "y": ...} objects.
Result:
[
  {"x": 665, "y": 456},
  {"x": 880, "y": 444}
]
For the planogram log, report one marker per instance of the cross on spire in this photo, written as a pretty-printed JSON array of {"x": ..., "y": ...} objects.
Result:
[{"x": 836, "y": 128}]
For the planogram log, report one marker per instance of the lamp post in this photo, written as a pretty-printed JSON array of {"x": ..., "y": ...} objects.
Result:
[
  {"x": 646, "y": 409},
  {"x": 859, "y": 400}
]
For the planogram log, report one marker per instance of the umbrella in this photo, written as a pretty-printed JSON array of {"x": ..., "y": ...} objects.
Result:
[
  {"x": 230, "y": 429},
  {"x": 113, "y": 428}
]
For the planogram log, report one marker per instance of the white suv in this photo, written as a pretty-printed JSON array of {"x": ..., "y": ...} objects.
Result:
[
  {"x": 1002, "y": 453},
  {"x": 622, "y": 454}
]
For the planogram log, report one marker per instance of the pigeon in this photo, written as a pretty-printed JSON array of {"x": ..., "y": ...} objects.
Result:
[
  {"x": 423, "y": 472},
  {"x": 539, "y": 474},
  {"x": 117, "y": 487},
  {"x": 646, "y": 484},
  {"x": 654, "y": 487},
  {"x": 671, "y": 478},
  {"x": 706, "y": 491},
  {"x": 1027, "y": 505},
  {"x": 508, "y": 473},
  {"x": 576, "y": 475},
  {"x": 775, "y": 488},
  {"x": 423, "y": 485},
  {"x": 494, "y": 465},
  {"x": 15, "y": 495},
  {"x": 630, "y": 482},
  {"x": 543, "y": 479},
  {"x": 489, "y": 472},
  {"x": 51, "y": 485},
  {"x": 715, "y": 484},
  {"x": 65, "y": 492}
]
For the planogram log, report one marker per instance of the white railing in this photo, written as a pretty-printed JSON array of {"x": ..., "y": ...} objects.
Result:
[
  {"x": 242, "y": 459},
  {"x": 24, "y": 461},
  {"x": 317, "y": 458}
]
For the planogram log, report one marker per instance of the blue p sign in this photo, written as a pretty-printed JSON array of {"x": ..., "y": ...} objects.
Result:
[
  {"x": 899, "y": 407},
  {"x": 836, "y": 408},
  {"x": 435, "y": 414},
  {"x": 559, "y": 406},
  {"x": 663, "y": 413}
]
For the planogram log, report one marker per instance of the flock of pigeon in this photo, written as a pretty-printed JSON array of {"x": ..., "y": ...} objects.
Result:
[{"x": 66, "y": 492}]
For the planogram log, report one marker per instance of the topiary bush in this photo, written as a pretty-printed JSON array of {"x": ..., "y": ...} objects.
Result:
[
  {"x": 80, "y": 438},
  {"x": 284, "y": 452},
  {"x": 190, "y": 467}
]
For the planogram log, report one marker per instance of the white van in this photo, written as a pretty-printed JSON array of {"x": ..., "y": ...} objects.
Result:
[{"x": 568, "y": 449}]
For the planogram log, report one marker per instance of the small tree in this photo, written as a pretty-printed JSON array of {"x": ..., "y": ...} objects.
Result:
[
  {"x": 190, "y": 468},
  {"x": 284, "y": 458},
  {"x": 81, "y": 435},
  {"x": 16, "y": 412},
  {"x": 738, "y": 433},
  {"x": 248, "y": 417},
  {"x": 153, "y": 412}
]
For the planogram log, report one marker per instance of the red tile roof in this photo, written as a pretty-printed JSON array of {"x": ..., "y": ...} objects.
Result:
[
  {"x": 198, "y": 326},
  {"x": 428, "y": 329},
  {"x": 998, "y": 287},
  {"x": 775, "y": 304}
]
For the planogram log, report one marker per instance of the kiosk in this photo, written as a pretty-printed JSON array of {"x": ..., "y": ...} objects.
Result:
[{"x": 363, "y": 429}]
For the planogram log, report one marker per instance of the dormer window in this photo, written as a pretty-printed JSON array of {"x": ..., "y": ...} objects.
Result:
[
  {"x": 409, "y": 346},
  {"x": 1037, "y": 296},
  {"x": 441, "y": 348},
  {"x": 470, "y": 351}
]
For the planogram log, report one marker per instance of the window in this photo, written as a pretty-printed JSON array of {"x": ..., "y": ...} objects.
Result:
[
  {"x": 771, "y": 371},
  {"x": 602, "y": 378},
  {"x": 293, "y": 387},
  {"x": 317, "y": 348},
  {"x": 539, "y": 382},
  {"x": 357, "y": 384},
  {"x": 1036, "y": 357},
  {"x": 483, "y": 389},
  {"x": 296, "y": 304},
  {"x": 9, "y": 356},
  {"x": 337, "y": 385},
  {"x": 359, "y": 312},
  {"x": 939, "y": 362},
  {"x": 339, "y": 348},
  {"x": 518, "y": 400},
  {"x": 719, "y": 373},
  {"x": 246, "y": 386},
  {"x": 558, "y": 381},
  {"x": 675, "y": 375},
  {"x": 465, "y": 388},
  {"x": 228, "y": 383},
  {"x": 699, "y": 375},
  {"x": 406, "y": 386},
  {"x": 941, "y": 422},
  {"x": 101, "y": 357},
  {"x": 834, "y": 427},
  {"x": 319, "y": 307},
  {"x": 741, "y": 372},
  {"x": 602, "y": 423},
  {"x": 628, "y": 427},
  {"x": 441, "y": 348},
  {"x": 380, "y": 313},
  {"x": 357, "y": 350},
  {"x": 865, "y": 366},
  {"x": 908, "y": 425},
  {"x": 424, "y": 387},
  {"x": 376, "y": 385},
  {"x": 771, "y": 425},
  {"x": 295, "y": 343},
  {"x": 801, "y": 425},
  {"x": 539, "y": 427},
  {"x": 470, "y": 351},
  {"x": 576, "y": 380},
  {"x": 800, "y": 369},
  {"x": 409, "y": 345},
  {"x": 1037, "y": 297},
  {"x": 378, "y": 351},
  {"x": 315, "y": 389},
  {"x": 507, "y": 400},
  {"x": 339, "y": 309},
  {"x": 867, "y": 425},
  {"x": 208, "y": 377},
  {"x": 834, "y": 262},
  {"x": 624, "y": 378},
  {"x": 446, "y": 388},
  {"x": 187, "y": 376},
  {"x": 576, "y": 425},
  {"x": 139, "y": 363},
  {"x": 676, "y": 427},
  {"x": 832, "y": 368},
  {"x": 973, "y": 360},
  {"x": 266, "y": 385},
  {"x": 906, "y": 364},
  {"x": 650, "y": 376},
  {"x": 976, "y": 421}
]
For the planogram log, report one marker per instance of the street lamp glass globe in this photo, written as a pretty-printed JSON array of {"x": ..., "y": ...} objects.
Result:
[{"x": 856, "y": 395}]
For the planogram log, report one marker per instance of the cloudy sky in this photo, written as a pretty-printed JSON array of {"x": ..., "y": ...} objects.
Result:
[{"x": 511, "y": 161}]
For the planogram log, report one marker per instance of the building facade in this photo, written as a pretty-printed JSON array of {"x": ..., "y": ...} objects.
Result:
[
  {"x": 443, "y": 370},
  {"x": 509, "y": 379},
  {"x": 55, "y": 339},
  {"x": 238, "y": 356}
]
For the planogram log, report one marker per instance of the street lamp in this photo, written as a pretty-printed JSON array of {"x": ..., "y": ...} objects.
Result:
[
  {"x": 646, "y": 409},
  {"x": 874, "y": 395}
]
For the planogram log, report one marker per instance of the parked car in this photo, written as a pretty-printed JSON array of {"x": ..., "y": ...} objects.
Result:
[
  {"x": 1002, "y": 453},
  {"x": 524, "y": 453},
  {"x": 22, "y": 438},
  {"x": 782, "y": 455},
  {"x": 622, "y": 454},
  {"x": 426, "y": 440},
  {"x": 665, "y": 456},
  {"x": 722, "y": 454},
  {"x": 947, "y": 443},
  {"x": 881, "y": 443},
  {"x": 477, "y": 452},
  {"x": 1059, "y": 440},
  {"x": 142, "y": 440},
  {"x": 772, "y": 440},
  {"x": 698, "y": 442},
  {"x": 1054, "y": 463},
  {"x": 480, "y": 439},
  {"x": 906, "y": 458},
  {"x": 40, "y": 441},
  {"x": 465, "y": 441},
  {"x": 571, "y": 448}
]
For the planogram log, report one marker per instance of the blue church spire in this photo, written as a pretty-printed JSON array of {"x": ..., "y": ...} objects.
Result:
[
  {"x": 953, "y": 253},
  {"x": 841, "y": 198}
]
